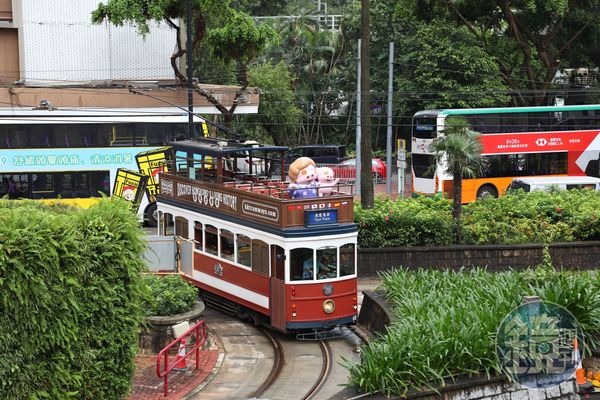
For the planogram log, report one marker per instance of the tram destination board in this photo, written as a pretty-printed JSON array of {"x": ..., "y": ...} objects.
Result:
[{"x": 320, "y": 217}]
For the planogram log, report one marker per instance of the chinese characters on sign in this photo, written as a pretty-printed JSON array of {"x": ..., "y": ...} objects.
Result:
[{"x": 535, "y": 344}]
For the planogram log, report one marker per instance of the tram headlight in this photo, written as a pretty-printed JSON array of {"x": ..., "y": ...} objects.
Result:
[{"x": 328, "y": 306}]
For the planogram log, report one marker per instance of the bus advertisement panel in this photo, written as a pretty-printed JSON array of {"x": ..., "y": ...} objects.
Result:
[
  {"x": 151, "y": 163},
  {"x": 130, "y": 185}
]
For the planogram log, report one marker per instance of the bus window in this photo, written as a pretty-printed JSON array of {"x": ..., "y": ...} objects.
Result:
[
  {"x": 99, "y": 183},
  {"x": 181, "y": 227},
  {"x": 327, "y": 262},
  {"x": 244, "y": 250},
  {"x": 347, "y": 259},
  {"x": 227, "y": 244},
  {"x": 40, "y": 136},
  {"x": 82, "y": 184},
  {"x": 211, "y": 240},
  {"x": 301, "y": 264},
  {"x": 42, "y": 185},
  {"x": 260, "y": 257},
  {"x": 198, "y": 235}
]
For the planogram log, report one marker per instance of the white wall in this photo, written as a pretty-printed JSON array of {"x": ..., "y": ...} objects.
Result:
[{"x": 59, "y": 42}]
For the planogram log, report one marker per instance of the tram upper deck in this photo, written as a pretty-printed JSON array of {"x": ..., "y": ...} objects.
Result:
[{"x": 244, "y": 181}]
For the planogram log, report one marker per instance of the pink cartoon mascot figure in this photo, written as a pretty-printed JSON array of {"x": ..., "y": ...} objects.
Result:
[
  {"x": 326, "y": 181},
  {"x": 303, "y": 175}
]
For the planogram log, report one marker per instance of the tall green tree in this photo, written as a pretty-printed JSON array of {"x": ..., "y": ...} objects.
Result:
[
  {"x": 316, "y": 58},
  {"x": 278, "y": 115},
  {"x": 529, "y": 40},
  {"x": 212, "y": 19},
  {"x": 458, "y": 150}
]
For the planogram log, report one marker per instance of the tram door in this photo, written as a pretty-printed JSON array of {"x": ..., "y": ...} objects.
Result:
[{"x": 277, "y": 297}]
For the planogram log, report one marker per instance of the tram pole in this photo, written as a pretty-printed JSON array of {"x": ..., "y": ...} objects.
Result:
[{"x": 190, "y": 84}]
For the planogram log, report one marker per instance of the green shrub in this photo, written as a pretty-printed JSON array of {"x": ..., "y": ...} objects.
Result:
[
  {"x": 169, "y": 295},
  {"x": 410, "y": 222},
  {"x": 446, "y": 322},
  {"x": 70, "y": 300},
  {"x": 517, "y": 218}
]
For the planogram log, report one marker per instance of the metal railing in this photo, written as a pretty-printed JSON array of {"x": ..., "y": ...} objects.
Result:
[{"x": 198, "y": 332}]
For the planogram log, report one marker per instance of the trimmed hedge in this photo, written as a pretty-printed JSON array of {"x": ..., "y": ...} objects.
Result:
[
  {"x": 70, "y": 300},
  {"x": 517, "y": 218}
]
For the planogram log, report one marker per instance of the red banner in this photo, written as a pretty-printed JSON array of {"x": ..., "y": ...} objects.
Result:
[{"x": 537, "y": 142}]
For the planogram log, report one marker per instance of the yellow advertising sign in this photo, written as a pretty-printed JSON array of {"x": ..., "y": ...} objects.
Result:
[
  {"x": 130, "y": 186},
  {"x": 150, "y": 163}
]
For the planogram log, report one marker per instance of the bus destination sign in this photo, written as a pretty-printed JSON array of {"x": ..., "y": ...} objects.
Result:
[{"x": 320, "y": 217}]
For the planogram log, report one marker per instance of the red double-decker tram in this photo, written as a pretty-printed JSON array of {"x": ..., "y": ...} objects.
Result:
[{"x": 285, "y": 262}]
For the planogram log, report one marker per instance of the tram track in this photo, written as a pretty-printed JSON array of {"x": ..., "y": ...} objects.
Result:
[
  {"x": 295, "y": 364},
  {"x": 260, "y": 363}
]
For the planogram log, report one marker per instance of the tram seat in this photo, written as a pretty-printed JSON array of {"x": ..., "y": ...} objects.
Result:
[
  {"x": 260, "y": 189},
  {"x": 243, "y": 186}
]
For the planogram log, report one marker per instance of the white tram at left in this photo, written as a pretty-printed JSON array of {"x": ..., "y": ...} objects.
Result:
[{"x": 289, "y": 263}]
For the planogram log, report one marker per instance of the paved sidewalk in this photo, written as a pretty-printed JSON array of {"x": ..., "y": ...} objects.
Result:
[{"x": 148, "y": 386}]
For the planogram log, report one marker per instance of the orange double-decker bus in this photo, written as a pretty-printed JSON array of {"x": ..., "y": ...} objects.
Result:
[{"x": 517, "y": 142}]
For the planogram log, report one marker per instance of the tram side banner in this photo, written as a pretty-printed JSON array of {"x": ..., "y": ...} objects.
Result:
[{"x": 130, "y": 186}]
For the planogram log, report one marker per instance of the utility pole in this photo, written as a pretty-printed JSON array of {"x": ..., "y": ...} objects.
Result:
[
  {"x": 367, "y": 198},
  {"x": 388, "y": 180},
  {"x": 358, "y": 123},
  {"x": 190, "y": 83}
]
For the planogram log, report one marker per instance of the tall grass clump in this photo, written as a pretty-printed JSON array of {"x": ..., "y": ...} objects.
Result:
[
  {"x": 446, "y": 321},
  {"x": 70, "y": 300}
]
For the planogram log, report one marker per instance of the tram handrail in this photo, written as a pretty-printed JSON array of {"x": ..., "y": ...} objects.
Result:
[{"x": 199, "y": 333}]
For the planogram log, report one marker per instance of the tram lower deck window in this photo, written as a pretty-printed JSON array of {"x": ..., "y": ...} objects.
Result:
[
  {"x": 347, "y": 259},
  {"x": 212, "y": 240},
  {"x": 227, "y": 245}
]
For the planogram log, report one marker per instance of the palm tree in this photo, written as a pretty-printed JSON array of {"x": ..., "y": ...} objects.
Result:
[{"x": 458, "y": 150}]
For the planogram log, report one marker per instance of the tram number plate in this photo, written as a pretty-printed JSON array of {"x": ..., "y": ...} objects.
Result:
[{"x": 320, "y": 217}]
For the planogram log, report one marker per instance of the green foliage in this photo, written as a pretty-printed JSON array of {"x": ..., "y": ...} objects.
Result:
[
  {"x": 169, "y": 295},
  {"x": 70, "y": 300},
  {"x": 278, "y": 116},
  {"x": 240, "y": 39},
  {"x": 446, "y": 322},
  {"x": 517, "y": 218},
  {"x": 410, "y": 222}
]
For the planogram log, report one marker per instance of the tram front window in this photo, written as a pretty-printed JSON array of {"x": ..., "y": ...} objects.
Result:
[
  {"x": 347, "y": 259},
  {"x": 301, "y": 264},
  {"x": 326, "y": 263}
]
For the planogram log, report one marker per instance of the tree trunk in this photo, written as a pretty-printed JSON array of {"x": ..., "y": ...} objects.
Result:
[
  {"x": 457, "y": 206},
  {"x": 367, "y": 196}
]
